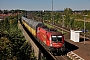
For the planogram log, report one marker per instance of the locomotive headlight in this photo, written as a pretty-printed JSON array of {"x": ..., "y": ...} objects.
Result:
[
  {"x": 50, "y": 41},
  {"x": 51, "y": 44}
]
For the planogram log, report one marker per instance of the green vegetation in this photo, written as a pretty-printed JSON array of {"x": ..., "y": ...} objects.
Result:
[
  {"x": 48, "y": 25},
  {"x": 54, "y": 27},
  {"x": 72, "y": 19},
  {"x": 13, "y": 45},
  {"x": 11, "y": 11}
]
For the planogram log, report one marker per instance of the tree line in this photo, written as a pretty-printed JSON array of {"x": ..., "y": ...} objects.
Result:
[
  {"x": 72, "y": 19},
  {"x": 11, "y": 11}
]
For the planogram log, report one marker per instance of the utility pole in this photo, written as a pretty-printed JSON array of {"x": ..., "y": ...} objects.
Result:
[
  {"x": 52, "y": 13},
  {"x": 43, "y": 16},
  {"x": 84, "y": 26},
  {"x": 62, "y": 22},
  {"x": 47, "y": 17}
]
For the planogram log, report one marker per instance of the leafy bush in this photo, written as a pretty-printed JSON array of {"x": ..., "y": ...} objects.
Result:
[{"x": 13, "y": 45}]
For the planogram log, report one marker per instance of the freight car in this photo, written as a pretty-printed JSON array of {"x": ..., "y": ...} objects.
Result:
[{"x": 50, "y": 37}]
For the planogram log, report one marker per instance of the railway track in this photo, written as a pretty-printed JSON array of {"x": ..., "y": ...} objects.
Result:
[
  {"x": 68, "y": 31},
  {"x": 62, "y": 57}
]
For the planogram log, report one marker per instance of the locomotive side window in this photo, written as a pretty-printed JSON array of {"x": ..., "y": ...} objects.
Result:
[{"x": 57, "y": 38}]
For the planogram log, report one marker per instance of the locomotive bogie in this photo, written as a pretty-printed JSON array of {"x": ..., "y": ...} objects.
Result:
[{"x": 54, "y": 50}]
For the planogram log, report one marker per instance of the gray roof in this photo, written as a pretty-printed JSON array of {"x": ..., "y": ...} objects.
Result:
[{"x": 32, "y": 23}]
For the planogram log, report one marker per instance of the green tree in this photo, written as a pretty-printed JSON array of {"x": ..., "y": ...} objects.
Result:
[
  {"x": 67, "y": 11},
  {"x": 13, "y": 45},
  {"x": 67, "y": 21},
  {"x": 72, "y": 22},
  {"x": 1, "y": 12},
  {"x": 6, "y": 11}
]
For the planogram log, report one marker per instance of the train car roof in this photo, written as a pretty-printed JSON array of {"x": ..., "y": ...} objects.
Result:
[
  {"x": 25, "y": 19},
  {"x": 36, "y": 24},
  {"x": 32, "y": 23}
]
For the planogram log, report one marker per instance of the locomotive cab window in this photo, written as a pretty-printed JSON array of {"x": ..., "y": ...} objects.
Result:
[{"x": 56, "y": 38}]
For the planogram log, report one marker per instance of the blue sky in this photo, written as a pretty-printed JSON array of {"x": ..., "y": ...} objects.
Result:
[{"x": 45, "y": 4}]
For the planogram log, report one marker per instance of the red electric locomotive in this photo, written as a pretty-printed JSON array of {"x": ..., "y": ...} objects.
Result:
[{"x": 52, "y": 38}]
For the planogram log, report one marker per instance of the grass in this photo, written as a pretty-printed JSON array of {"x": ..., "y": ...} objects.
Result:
[{"x": 54, "y": 28}]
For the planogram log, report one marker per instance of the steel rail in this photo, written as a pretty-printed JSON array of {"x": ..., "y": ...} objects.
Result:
[{"x": 67, "y": 30}]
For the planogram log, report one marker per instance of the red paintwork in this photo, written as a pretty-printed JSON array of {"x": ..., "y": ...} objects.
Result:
[
  {"x": 44, "y": 35},
  {"x": 57, "y": 45}
]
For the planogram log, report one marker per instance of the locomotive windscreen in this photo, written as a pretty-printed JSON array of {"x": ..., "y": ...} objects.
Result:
[{"x": 56, "y": 38}]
